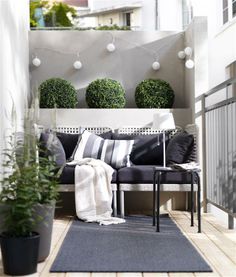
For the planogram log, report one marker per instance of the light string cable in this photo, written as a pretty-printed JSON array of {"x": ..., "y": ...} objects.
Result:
[{"x": 149, "y": 51}]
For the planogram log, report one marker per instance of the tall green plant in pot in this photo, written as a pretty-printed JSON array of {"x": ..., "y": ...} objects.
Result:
[
  {"x": 25, "y": 178},
  {"x": 48, "y": 173},
  {"x": 18, "y": 196}
]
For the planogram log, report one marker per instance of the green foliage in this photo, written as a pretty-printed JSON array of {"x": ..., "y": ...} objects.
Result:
[
  {"x": 105, "y": 93},
  {"x": 57, "y": 92},
  {"x": 33, "y": 6},
  {"x": 113, "y": 27},
  {"x": 153, "y": 93},
  {"x": 27, "y": 179},
  {"x": 57, "y": 15}
]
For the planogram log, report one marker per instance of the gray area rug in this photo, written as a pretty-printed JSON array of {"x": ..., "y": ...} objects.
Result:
[{"x": 133, "y": 246}]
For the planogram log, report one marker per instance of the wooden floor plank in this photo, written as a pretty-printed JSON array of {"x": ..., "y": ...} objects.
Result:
[
  {"x": 216, "y": 258},
  {"x": 77, "y": 274},
  {"x": 206, "y": 274},
  {"x": 103, "y": 274},
  {"x": 130, "y": 274},
  {"x": 48, "y": 263},
  {"x": 220, "y": 240},
  {"x": 230, "y": 234},
  {"x": 181, "y": 274},
  {"x": 152, "y": 274}
]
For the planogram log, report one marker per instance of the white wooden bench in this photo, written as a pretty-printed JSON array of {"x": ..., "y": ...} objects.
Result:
[{"x": 122, "y": 187}]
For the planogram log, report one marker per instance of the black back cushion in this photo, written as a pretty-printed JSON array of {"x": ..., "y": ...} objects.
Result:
[
  {"x": 69, "y": 141},
  {"x": 179, "y": 148},
  {"x": 146, "y": 149}
]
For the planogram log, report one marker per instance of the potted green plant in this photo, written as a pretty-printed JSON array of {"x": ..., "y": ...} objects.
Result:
[
  {"x": 106, "y": 94},
  {"x": 48, "y": 194},
  {"x": 19, "y": 196},
  {"x": 154, "y": 93},
  {"x": 29, "y": 190},
  {"x": 57, "y": 92}
]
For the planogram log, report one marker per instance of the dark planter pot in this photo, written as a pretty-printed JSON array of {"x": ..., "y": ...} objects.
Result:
[
  {"x": 20, "y": 254},
  {"x": 45, "y": 213}
]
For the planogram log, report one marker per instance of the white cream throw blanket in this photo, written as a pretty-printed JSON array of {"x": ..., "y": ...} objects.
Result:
[{"x": 93, "y": 193}]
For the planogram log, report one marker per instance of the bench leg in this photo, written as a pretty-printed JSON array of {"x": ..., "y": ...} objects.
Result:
[
  {"x": 114, "y": 203},
  {"x": 158, "y": 201},
  {"x": 122, "y": 204},
  {"x": 154, "y": 199},
  {"x": 192, "y": 200},
  {"x": 199, "y": 202}
]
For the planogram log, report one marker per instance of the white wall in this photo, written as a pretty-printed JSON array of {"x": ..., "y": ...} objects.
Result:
[
  {"x": 14, "y": 49},
  {"x": 170, "y": 15}
]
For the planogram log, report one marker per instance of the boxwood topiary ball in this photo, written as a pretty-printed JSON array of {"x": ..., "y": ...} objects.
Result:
[
  {"x": 105, "y": 93},
  {"x": 153, "y": 93},
  {"x": 57, "y": 92}
]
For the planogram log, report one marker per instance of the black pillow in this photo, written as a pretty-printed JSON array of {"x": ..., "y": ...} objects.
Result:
[
  {"x": 68, "y": 142},
  {"x": 146, "y": 149},
  {"x": 107, "y": 135},
  {"x": 51, "y": 145},
  {"x": 179, "y": 148}
]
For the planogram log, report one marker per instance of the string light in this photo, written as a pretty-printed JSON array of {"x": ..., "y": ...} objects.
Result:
[
  {"x": 156, "y": 65},
  {"x": 36, "y": 61},
  {"x": 187, "y": 53},
  {"x": 111, "y": 46},
  {"x": 77, "y": 64}
]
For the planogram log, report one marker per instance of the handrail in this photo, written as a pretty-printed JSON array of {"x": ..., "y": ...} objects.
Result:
[
  {"x": 217, "y": 136},
  {"x": 222, "y": 85}
]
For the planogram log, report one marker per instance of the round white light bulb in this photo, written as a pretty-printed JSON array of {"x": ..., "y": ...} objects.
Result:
[
  {"x": 156, "y": 66},
  {"x": 36, "y": 62},
  {"x": 189, "y": 64},
  {"x": 181, "y": 55},
  {"x": 111, "y": 47},
  {"x": 188, "y": 51},
  {"x": 77, "y": 65}
]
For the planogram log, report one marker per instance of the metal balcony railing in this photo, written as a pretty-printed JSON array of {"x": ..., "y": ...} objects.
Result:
[{"x": 219, "y": 139}]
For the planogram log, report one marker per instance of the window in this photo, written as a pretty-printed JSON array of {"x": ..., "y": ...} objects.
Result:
[
  {"x": 229, "y": 10},
  {"x": 225, "y": 11},
  {"x": 234, "y": 8},
  {"x": 127, "y": 19}
]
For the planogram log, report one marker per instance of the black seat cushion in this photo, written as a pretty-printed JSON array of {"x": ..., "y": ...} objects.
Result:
[
  {"x": 68, "y": 175},
  {"x": 144, "y": 174},
  {"x": 147, "y": 149},
  {"x": 179, "y": 148}
]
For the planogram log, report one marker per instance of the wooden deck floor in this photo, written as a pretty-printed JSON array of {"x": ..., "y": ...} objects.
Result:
[{"x": 216, "y": 244}]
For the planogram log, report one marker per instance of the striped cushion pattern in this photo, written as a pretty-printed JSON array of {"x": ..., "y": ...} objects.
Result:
[{"x": 113, "y": 152}]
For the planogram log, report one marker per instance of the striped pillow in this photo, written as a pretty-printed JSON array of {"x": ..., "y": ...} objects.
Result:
[{"x": 113, "y": 152}]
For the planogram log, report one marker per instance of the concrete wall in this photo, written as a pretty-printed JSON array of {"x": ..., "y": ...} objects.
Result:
[
  {"x": 14, "y": 52},
  {"x": 129, "y": 64}
]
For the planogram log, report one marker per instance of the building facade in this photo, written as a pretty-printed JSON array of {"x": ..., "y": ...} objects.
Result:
[{"x": 143, "y": 15}]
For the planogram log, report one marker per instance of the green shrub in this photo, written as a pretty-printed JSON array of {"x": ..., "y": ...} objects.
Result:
[
  {"x": 153, "y": 93},
  {"x": 57, "y": 92},
  {"x": 105, "y": 93}
]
